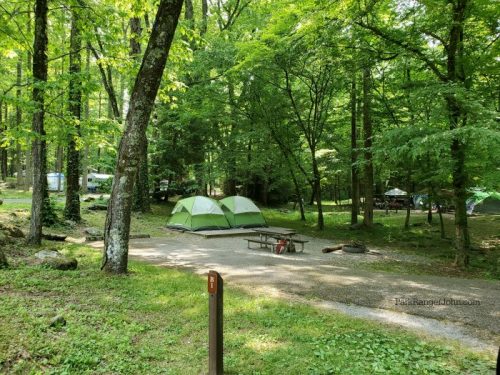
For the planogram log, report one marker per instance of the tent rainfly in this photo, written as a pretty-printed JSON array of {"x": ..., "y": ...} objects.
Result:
[
  {"x": 197, "y": 213},
  {"x": 241, "y": 212},
  {"x": 395, "y": 193},
  {"x": 484, "y": 202}
]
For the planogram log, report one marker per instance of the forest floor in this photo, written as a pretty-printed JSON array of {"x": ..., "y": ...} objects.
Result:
[{"x": 341, "y": 281}]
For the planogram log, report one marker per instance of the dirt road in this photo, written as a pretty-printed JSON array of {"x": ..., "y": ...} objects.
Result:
[{"x": 334, "y": 281}]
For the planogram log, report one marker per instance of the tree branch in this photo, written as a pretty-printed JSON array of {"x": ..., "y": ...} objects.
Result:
[{"x": 405, "y": 45}]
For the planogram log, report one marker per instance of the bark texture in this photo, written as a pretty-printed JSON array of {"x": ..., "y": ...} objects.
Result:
[
  {"x": 354, "y": 156},
  {"x": 204, "y": 17},
  {"x": 457, "y": 118},
  {"x": 3, "y": 150},
  {"x": 39, "y": 157},
  {"x": 367, "y": 137},
  {"x": 117, "y": 227},
  {"x": 85, "y": 156},
  {"x": 141, "y": 192},
  {"x": 72, "y": 208},
  {"x": 19, "y": 119}
]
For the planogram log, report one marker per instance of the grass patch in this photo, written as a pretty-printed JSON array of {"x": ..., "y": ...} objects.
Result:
[
  {"x": 14, "y": 194},
  {"x": 152, "y": 223},
  {"x": 154, "y": 320},
  {"x": 421, "y": 239}
]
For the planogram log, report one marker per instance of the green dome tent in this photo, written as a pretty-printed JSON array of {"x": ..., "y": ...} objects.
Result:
[
  {"x": 197, "y": 213},
  {"x": 483, "y": 202},
  {"x": 241, "y": 212}
]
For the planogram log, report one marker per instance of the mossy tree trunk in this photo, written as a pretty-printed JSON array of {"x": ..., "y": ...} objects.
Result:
[
  {"x": 367, "y": 137},
  {"x": 117, "y": 227},
  {"x": 457, "y": 118},
  {"x": 40, "y": 65},
  {"x": 28, "y": 181},
  {"x": 354, "y": 155},
  {"x": 3, "y": 149},
  {"x": 72, "y": 208},
  {"x": 141, "y": 192},
  {"x": 19, "y": 120}
]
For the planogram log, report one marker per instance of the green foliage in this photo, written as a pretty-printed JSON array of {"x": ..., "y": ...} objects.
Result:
[{"x": 50, "y": 211}]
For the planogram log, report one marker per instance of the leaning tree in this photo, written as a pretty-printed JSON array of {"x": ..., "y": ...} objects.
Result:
[{"x": 117, "y": 227}]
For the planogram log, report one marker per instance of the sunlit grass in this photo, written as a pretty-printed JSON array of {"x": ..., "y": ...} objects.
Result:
[{"x": 154, "y": 320}]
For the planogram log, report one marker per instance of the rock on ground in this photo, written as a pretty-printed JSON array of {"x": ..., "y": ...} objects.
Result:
[
  {"x": 11, "y": 231},
  {"x": 57, "y": 321},
  {"x": 93, "y": 231},
  {"x": 55, "y": 260}
]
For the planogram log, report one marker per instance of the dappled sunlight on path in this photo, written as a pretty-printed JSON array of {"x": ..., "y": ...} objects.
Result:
[{"x": 333, "y": 282}]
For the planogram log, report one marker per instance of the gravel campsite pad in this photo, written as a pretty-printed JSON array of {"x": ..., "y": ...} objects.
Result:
[{"x": 338, "y": 278}]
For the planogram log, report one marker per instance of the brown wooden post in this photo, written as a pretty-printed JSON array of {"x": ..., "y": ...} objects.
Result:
[{"x": 215, "y": 329}]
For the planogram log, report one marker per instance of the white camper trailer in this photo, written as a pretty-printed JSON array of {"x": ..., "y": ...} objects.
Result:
[
  {"x": 95, "y": 180},
  {"x": 55, "y": 181}
]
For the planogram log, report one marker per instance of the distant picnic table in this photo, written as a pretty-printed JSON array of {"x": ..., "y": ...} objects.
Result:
[{"x": 279, "y": 239}]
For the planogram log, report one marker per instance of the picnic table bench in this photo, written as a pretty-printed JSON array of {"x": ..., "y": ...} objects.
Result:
[
  {"x": 262, "y": 242},
  {"x": 280, "y": 235},
  {"x": 302, "y": 242}
]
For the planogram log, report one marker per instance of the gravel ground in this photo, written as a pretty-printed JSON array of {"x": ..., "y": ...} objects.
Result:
[{"x": 333, "y": 281}]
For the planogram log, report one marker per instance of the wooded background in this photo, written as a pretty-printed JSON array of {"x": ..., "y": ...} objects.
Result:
[{"x": 275, "y": 100}]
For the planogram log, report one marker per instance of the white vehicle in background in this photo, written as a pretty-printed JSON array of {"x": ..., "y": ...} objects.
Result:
[
  {"x": 55, "y": 181},
  {"x": 96, "y": 180}
]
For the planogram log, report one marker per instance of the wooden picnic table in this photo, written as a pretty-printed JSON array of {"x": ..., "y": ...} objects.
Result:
[{"x": 267, "y": 234}]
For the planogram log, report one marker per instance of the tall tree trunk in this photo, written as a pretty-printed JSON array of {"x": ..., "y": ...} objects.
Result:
[
  {"x": 289, "y": 162},
  {"x": 429, "y": 206},
  {"x": 19, "y": 120},
  {"x": 59, "y": 166},
  {"x": 3, "y": 150},
  {"x": 28, "y": 182},
  {"x": 317, "y": 190},
  {"x": 141, "y": 191},
  {"x": 72, "y": 208},
  {"x": 457, "y": 116},
  {"x": 298, "y": 191},
  {"x": 367, "y": 135},
  {"x": 40, "y": 65},
  {"x": 204, "y": 17},
  {"x": 189, "y": 13},
  {"x": 231, "y": 147},
  {"x": 462, "y": 240},
  {"x": 354, "y": 156},
  {"x": 85, "y": 157},
  {"x": 441, "y": 221},
  {"x": 408, "y": 199},
  {"x": 117, "y": 227}
]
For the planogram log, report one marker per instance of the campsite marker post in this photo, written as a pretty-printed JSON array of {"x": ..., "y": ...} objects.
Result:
[{"x": 215, "y": 339}]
